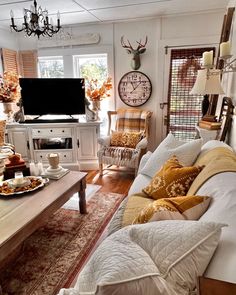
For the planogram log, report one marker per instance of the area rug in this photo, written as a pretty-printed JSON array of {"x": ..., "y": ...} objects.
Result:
[
  {"x": 73, "y": 202},
  {"x": 54, "y": 254}
]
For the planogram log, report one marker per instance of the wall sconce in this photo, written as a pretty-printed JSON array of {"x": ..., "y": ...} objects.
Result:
[
  {"x": 207, "y": 82},
  {"x": 208, "y": 79}
]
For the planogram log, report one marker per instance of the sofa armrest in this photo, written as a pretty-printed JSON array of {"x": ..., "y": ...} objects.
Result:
[
  {"x": 144, "y": 160},
  {"x": 142, "y": 144},
  {"x": 104, "y": 141}
]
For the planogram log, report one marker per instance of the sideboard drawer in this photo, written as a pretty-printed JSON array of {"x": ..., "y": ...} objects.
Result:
[
  {"x": 65, "y": 156},
  {"x": 41, "y": 132}
]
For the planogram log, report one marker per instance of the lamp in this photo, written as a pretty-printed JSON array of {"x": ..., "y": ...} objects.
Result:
[
  {"x": 36, "y": 22},
  {"x": 208, "y": 79},
  {"x": 207, "y": 82}
]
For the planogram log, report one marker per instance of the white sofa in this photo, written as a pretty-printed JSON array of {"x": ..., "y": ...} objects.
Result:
[
  {"x": 111, "y": 256},
  {"x": 222, "y": 188}
]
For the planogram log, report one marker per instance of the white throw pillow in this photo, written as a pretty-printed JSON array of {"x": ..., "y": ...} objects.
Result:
[
  {"x": 186, "y": 152},
  {"x": 211, "y": 144},
  {"x": 173, "y": 252}
]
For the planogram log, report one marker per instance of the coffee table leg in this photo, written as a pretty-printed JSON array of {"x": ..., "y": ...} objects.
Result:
[{"x": 82, "y": 197}]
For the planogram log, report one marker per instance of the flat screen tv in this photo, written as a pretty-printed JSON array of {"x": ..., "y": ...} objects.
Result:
[{"x": 53, "y": 96}]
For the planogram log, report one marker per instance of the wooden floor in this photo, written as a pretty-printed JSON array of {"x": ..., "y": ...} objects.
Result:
[{"x": 115, "y": 181}]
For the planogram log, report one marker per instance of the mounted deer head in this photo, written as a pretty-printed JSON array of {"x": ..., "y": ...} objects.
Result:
[{"x": 135, "y": 62}]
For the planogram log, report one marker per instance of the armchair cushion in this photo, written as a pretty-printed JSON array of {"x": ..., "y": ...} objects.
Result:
[{"x": 125, "y": 139}]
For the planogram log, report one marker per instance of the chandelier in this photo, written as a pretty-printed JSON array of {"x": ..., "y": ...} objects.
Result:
[{"x": 36, "y": 22}]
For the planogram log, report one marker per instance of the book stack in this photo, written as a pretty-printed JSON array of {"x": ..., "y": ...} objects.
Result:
[{"x": 209, "y": 125}]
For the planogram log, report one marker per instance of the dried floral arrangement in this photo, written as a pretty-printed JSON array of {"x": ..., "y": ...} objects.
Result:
[
  {"x": 9, "y": 87},
  {"x": 96, "y": 90}
]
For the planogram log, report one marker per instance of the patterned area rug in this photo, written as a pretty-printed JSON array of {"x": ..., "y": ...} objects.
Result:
[{"x": 53, "y": 255}]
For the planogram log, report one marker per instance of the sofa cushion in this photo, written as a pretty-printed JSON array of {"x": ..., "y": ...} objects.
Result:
[
  {"x": 125, "y": 139},
  {"x": 175, "y": 251},
  {"x": 172, "y": 180},
  {"x": 222, "y": 188},
  {"x": 186, "y": 152},
  {"x": 178, "y": 208},
  {"x": 212, "y": 144}
]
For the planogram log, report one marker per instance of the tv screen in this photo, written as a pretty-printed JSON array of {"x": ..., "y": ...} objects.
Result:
[{"x": 53, "y": 96}]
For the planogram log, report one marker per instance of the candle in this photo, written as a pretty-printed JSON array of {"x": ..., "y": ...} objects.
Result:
[
  {"x": 40, "y": 168},
  {"x": 225, "y": 49},
  {"x": 32, "y": 168},
  {"x": 207, "y": 58},
  {"x": 19, "y": 179}
]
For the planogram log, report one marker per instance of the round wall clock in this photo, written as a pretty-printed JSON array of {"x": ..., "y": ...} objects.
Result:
[{"x": 135, "y": 88}]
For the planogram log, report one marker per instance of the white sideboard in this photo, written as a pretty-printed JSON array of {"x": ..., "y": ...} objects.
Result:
[{"x": 76, "y": 143}]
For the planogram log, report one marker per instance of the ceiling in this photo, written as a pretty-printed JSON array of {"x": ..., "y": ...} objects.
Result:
[{"x": 101, "y": 11}]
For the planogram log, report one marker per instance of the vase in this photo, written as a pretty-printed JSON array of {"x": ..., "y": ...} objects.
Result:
[
  {"x": 96, "y": 107},
  {"x": 8, "y": 109}
]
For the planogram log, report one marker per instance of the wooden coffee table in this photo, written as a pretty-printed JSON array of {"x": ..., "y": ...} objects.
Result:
[{"x": 21, "y": 215}]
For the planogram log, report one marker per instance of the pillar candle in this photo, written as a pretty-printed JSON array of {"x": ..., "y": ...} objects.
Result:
[
  {"x": 207, "y": 58},
  {"x": 225, "y": 49}
]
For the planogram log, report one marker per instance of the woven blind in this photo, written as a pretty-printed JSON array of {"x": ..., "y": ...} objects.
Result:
[
  {"x": 184, "y": 110},
  {"x": 10, "y": 60},
  {"x": 28, "y": 63}
]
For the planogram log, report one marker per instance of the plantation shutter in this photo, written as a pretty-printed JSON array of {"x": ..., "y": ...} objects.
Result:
[
  {"x": 10, "y": 60},
  {"x": 28, "y": 63},
  {"x": 184, "y": 109}
]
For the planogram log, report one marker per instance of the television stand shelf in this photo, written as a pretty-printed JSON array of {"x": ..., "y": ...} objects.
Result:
[
  {"x": 51, "y": 121},
  {"x": 76, "y": 142}
]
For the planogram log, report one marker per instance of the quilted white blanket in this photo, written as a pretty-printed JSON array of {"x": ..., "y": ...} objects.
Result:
[{"x": 166, "y": 251}]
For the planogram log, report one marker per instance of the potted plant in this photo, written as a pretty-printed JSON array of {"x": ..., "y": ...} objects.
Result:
[{"x": 9, "y": 92}]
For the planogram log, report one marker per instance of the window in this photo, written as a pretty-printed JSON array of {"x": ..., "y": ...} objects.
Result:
[
  {"x": 51, "y": 67},
  {"x": 94, "y": 66}
]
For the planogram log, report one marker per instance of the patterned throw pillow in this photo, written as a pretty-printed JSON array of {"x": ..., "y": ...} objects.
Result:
[
  {"x": 172, "y": 180},
  {"x": 125, "y": 139},
  {"x": 177, "y": 208}
]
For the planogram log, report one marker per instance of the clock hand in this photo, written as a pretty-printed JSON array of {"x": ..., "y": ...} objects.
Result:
[
  {"x": 135, "y": 87},
  {"x": 132, "y": 85}
]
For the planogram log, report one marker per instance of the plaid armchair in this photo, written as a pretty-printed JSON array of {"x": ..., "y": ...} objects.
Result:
[{"x": 125, "y": 145}]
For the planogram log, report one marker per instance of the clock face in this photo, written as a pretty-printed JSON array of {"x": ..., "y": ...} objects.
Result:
[{"x": 134, "y": 88}]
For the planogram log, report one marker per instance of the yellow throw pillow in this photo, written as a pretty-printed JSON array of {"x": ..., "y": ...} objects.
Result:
[
  {"x": 172, "y": 180},
  {"x": 125, "y": 139},
  {"x": 177, "y": 208}
]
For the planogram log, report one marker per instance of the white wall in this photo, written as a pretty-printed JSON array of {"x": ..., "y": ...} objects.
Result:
[
  {"x": 7, "y": 40},
  {"x": 179, "y": 30}
]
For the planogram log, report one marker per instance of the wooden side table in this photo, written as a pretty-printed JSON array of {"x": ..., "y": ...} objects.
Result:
[{"x": 206, "y": 134}]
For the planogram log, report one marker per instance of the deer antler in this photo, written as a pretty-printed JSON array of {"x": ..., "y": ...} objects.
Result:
[
  {"x": 124, "y": 45},
  {"x": 142, "y": 45}
]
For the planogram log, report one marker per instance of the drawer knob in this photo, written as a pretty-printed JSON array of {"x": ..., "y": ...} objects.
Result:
[
  {"x": 64, "y": 156},
  {"x": 38, "y": 131},
  {"x": 51, "y": 130},
  {"x": 41, "y": 156},
  {"x": 63, "y": 130}
]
